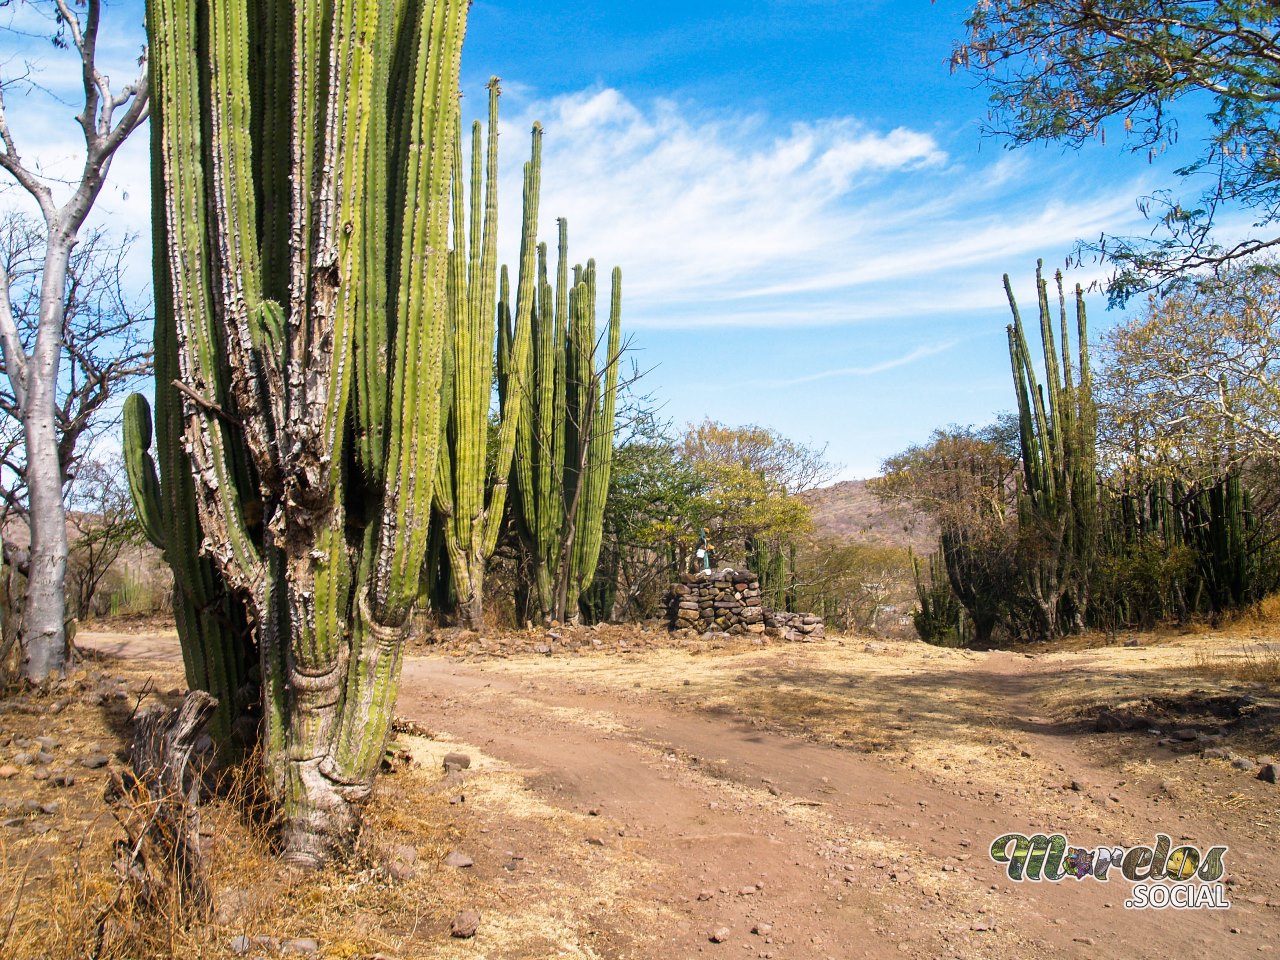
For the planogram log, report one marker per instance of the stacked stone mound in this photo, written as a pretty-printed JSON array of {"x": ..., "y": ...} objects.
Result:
[
  {"x": 728, "y": 601},
  {"x": 796, "y": 626},
  {"x": 725, "y": 601}
]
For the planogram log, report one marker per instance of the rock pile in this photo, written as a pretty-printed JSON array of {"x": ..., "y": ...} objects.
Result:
[
  {"x": 727, "y": 601},
  {"x": 796, "y": 626}
]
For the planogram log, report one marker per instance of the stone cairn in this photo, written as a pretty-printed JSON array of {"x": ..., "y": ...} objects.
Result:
[
  {"x": 796, "y": 626},
  {"x": 728, "y": 601}
]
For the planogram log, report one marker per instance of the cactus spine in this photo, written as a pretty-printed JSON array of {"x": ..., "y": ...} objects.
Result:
[
  {"x": 1058, "y": 497},
  {"x": 300, "y": 311},
  {"x": 564, "y": 444},
  {"x": 472, "y": 524}
]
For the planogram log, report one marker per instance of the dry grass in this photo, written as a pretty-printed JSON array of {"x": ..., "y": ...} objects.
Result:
[
  {"x": 541, "y": 890},
  {"x": 1257, "y": 663},
  {"x": 1253, "y": 656}
]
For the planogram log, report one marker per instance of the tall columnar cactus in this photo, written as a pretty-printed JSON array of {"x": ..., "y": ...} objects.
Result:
[
  {"x": 1058, "y": 497},
  {"x": 471, "y": 494},
  {"x": 302, "y": 221},
  {"x": 941, "y": 618},
  {"x": 564, "y": 444}
]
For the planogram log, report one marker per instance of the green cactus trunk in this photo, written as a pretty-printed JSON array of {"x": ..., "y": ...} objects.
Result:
[
  {"x": 941, "y": 618},
  {"x": 1058, "y": 514},
  {"x": 471, "y": 486},
  {"x": 564, "y": 444},
  {"x": 303, "y": 211}
]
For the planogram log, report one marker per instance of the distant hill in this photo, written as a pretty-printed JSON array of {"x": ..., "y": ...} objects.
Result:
[{"x": 849, "y": 511}]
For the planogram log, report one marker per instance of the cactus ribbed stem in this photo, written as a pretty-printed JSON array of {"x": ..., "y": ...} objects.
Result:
[
  {"x": 1058, "y": 495},
  {"x": 302, "y": 213},
  {"x": 564, "y": 448},
  {"x": 471, "y": 495}
]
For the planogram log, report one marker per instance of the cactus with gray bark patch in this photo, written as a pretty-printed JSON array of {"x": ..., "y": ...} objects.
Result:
[{"x": 301, "y": 221}]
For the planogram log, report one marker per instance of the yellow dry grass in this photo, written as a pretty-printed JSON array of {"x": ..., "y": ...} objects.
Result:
[{"x": 55, "y": 887}]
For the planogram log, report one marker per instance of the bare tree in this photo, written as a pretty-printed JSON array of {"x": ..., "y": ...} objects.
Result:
[
  {"x": 1191, "y": 383},
  {"x": 33, "y": 363},
  {"x": 104, "y": 522}
]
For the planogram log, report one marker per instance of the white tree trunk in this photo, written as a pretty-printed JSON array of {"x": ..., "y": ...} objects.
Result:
[{"x": 44, "y": 640}]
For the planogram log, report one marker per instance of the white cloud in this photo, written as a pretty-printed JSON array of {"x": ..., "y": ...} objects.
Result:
[
  {"x": 920, "y": 353},
  {"x": 727, "y": 219}
]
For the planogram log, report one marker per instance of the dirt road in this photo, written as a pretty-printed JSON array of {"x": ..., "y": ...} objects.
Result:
[{"x": 749, "y": 824}]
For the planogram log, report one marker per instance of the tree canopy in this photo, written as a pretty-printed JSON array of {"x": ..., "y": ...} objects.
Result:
[
  {"x": 747, "y": 480},
  {"x": 1061, "y": 70},
  {"x": 1190, "y": 384}
]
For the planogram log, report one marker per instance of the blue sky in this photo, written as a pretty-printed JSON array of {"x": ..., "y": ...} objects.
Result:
[{"x": 811, "y": 228}]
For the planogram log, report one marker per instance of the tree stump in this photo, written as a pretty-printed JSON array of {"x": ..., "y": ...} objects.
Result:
[{"x": 156, "y": 801}]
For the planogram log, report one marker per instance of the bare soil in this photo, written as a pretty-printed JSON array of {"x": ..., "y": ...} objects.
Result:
[{"x": 628, "y": 799}]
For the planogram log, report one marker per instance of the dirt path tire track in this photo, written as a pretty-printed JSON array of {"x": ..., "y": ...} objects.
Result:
[
  {"x": 550, "y": 731},
  {"x": 893, "y": 863}
]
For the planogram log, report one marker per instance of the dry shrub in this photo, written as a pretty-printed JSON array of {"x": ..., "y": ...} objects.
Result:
[{"x": 1265, "y": 614}]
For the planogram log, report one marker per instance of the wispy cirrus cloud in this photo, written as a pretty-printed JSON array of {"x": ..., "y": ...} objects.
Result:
[
  {"x": 727, "y": 219},
  {"x": 869, "y": 370}
]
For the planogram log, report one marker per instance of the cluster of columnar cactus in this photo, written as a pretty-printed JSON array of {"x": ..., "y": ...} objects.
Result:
[
  {"x": 941, "y": 618},
  {"x": 564, "y": 443},
  {"x": 1175, "y": 550},
  {"x": 471, "y": 487},
  {"x": 1058, "y": 516},
  {"x": 302, "y": 278}
]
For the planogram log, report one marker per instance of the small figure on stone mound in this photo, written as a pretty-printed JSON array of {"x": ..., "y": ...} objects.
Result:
[{"x": 705, "y": 550}]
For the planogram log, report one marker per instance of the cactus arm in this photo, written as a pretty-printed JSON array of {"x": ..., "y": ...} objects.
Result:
[
  {"x": 174, "y": 53},
  {"x": 520, "y": 341},
  {"x": 371, "y": 329},
  {"x": 140, "y": 469},
  {"x": 555, "y": 491},
  {"x": 446, "y": 494},
  {"x": 420, "y": 298},
  {"x": 237, "y": 262},
  {"x": 504, "y": 340},
  {"x": 472, "y": 362},
  {"x": 1035, "y": 452},
  {"x": 599, "y": 461}
]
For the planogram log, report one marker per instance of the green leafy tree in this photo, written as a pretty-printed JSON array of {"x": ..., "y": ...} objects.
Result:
[
  {"x": 852, "y": 586},
  {"x": 748, "y": 481},
  {"x": 646, "y": 516},
  {"x": 1066, "y": 70}
]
